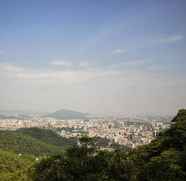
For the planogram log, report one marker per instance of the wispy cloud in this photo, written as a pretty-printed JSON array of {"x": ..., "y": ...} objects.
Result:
[
  {"x": 129, "y": 65},
  {"x": 171, "y": 39},
  {"x": 61, "y": 63},
  {"x": 84, "y": 65},
  {"x": 70, "y": 65},
  {"x": 65, "y": 75},
  {"x": 11, "y": 68},
  {"x": 119, "y": 51},
  {"x": 46, "y": 88}
]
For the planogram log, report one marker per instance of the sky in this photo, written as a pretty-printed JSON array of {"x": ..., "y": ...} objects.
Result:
[{"x": 103, "y": 56}]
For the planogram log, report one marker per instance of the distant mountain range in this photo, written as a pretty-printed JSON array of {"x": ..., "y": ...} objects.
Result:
[
  {"x": 20, "y": 116},
  {"x": 71, "y": 114},
  {"x": 59, "y": 114},
  {"x": 68, "y": 114}
]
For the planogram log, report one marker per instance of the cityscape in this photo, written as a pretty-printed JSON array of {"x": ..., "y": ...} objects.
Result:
[{"x": 130, "y": 132}]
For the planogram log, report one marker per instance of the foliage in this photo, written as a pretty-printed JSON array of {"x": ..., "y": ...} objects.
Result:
[
  {"x": 14, "y": 167},
  {"x": 25, "y": 144},
  {"x": 164, "y": 159},
  {"x": 48, "y": 136}
]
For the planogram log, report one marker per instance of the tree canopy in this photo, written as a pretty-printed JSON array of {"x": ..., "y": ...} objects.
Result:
[{"x": 164, "y": 159}]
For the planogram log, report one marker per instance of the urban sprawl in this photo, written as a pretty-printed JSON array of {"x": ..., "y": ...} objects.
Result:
[{"x": 127, "y": 131}]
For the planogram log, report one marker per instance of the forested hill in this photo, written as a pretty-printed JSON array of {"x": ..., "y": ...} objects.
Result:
[
  {"x": 48, "y": 136},
  {"x": 164, "y": 159},
  {"x": 34, "y": 141},
  {"x": 24, "y": 144}
]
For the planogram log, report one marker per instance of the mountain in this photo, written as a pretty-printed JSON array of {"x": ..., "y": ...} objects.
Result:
[
  {"x": 67, "y": 114},
  {"x": 18, "y": 116}
]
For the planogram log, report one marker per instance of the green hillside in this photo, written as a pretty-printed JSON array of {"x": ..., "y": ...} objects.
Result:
[
  {"x": 48, "y": 136},
  {"x": 25, "y": 144},
  {"x": 14, "y": 167},
  {"x": 165, "y": 157},
  {"x": 162, "y": 160}
]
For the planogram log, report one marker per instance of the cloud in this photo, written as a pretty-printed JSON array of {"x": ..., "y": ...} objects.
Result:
[
  {"x": 118, "y": 51},
  {"x": 68, "y": 65},
  {"x": 68, "y": 76},
  {"x": 11, "y": 68},
  {"x": 84, "y": 65},
  {"x": 130, "y": 64},
  {"x": 63, "y": 76},
  {"x": 61, "y": 63},
  {"x": 171, "y": 39},
  {"x": 95, "y": 90}
]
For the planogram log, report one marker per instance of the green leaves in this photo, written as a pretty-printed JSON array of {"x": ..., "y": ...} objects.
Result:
[
  {"x": 162, "y": 160},
  {"x": 15, "y": 168}
]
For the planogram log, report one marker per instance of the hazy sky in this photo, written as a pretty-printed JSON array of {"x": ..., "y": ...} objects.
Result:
[{"x": 97, "y": 56}]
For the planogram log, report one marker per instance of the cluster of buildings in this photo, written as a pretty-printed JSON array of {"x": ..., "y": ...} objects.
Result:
[{"x": 129, "y": 132}]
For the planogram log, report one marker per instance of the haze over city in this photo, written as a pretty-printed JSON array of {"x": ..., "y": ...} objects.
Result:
[{"x": 114, "y": 57}]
